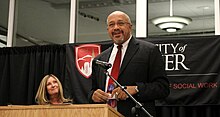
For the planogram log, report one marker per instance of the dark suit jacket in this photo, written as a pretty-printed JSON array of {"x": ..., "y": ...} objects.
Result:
[{"x": 142, "y": 66}]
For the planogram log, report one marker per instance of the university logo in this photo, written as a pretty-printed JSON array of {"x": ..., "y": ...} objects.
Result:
[
  {"x": 84, "y": 55},
  {"x": 174, "y": 56}
]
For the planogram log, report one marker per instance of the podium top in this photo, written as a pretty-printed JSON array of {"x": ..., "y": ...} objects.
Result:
[{"x": 78, "y": 110}]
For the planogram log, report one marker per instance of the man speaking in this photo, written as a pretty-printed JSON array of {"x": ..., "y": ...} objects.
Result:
[{"x": 136, "y": 64}]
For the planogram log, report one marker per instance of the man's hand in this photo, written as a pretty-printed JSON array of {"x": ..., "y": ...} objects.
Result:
[
  {"x": 121, "y": 94},
  {"x": 100, "y": 96}
]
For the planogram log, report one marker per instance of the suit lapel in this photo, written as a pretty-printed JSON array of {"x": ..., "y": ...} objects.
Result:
[
  {"x": 133, "y": 46},
  {"x": 105, "y": 57},
  {"x": 130, "y": 52}
]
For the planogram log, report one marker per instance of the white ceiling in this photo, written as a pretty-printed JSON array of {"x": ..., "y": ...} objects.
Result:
[
  {"x": 93, "y": 26},
  {"x": 203, "y": 19}
]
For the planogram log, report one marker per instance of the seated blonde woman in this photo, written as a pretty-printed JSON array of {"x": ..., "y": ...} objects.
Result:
[{"x": 50, "y": 91}]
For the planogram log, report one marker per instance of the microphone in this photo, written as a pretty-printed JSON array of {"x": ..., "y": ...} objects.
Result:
[{"x": 103, "y": 64}]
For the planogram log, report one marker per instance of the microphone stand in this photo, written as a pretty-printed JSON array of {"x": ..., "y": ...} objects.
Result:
[{"x": 138, "y": 104}]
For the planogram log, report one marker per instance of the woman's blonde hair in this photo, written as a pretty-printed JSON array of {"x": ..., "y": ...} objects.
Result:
[{"x": 42, "y": 94}]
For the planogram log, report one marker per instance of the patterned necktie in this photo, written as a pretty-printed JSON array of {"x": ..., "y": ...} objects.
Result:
[{"x": 114, "y": 74}]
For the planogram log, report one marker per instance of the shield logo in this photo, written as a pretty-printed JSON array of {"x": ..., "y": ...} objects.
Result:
[{"x": 84, "y": 55}]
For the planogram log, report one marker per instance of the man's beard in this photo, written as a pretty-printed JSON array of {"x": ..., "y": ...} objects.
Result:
[{"x": 119, "y": 41}]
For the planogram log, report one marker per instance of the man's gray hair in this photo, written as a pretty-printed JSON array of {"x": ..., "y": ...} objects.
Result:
[{"x": 119, "y": 12}]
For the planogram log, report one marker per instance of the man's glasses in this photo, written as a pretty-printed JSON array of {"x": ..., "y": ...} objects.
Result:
[{"x": 120, "y": 23}]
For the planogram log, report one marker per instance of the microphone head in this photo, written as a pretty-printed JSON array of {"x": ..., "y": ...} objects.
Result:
[{"x": 103, "y": 64}]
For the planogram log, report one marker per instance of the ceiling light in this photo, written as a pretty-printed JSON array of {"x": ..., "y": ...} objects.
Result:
[{"x": 171, "y": 23}]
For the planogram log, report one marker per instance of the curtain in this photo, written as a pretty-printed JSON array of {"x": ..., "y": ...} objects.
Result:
[
  {"x": 22, "y": 69},
  {"x": 188, "y": 111}
]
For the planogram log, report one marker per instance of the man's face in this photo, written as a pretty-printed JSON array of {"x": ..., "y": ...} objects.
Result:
[{"x": 119, "y": 29}]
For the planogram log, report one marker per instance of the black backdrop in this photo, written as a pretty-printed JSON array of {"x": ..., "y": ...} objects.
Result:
[{"x": 22, "y": 69}]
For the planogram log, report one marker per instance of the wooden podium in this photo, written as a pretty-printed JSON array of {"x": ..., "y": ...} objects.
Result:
[{"x": 70, "y": 110}]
